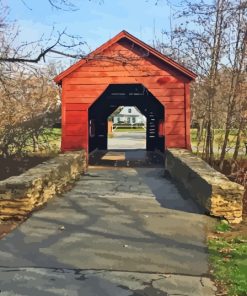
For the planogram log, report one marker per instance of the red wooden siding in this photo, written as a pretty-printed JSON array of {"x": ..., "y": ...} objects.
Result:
[{"x": 121, "y": 63}]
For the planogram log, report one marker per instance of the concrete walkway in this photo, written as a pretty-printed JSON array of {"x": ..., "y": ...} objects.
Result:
[{"x": 119, "y": 231}]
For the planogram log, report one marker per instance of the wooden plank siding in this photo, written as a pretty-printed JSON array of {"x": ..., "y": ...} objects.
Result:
[{"x": 123, "y": 64}]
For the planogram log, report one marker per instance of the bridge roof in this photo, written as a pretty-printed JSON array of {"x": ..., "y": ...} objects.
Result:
[{"x": 124, "y": 34}]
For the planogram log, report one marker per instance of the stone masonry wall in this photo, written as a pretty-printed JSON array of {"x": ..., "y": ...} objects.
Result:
[
  {"x": 211, "y": 189},
  {"x": 19, "y": 195}
]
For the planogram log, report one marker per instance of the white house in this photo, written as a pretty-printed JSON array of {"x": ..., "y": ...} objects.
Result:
[{"x": 129, "y": 115}]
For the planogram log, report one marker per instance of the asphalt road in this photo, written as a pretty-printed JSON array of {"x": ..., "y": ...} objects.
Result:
[{"x": 127, "y": 140}]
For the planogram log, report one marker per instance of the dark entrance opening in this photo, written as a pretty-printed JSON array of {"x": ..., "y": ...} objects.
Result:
[{"x": 126, "y": 95}]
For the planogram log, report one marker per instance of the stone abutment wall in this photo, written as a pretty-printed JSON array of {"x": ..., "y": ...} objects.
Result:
[
  {"x": 211, "y": 189},
  {"x": 19, "y": 195}
]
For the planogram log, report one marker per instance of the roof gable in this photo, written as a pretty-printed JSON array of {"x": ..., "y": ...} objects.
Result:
[
  {"x": 163, "y": 58},
  {"x": 125, "y": 111}
]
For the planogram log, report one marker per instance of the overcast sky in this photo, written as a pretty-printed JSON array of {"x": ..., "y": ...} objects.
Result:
[{"x": 95, "y": 23}]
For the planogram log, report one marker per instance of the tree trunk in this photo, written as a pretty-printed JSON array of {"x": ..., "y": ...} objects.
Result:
[
  {"x": 223, "y": 151},
  {"x": 199, "y": 133},
  {"x": 34, "y": 144},
  {"x": 238, "y": 140},
  {"x": 209, "y": 135}
]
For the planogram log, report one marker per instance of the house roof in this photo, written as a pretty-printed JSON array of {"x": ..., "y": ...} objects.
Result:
[
  {"x": 124, "y": 34},
  {"x": 125, "y": 111}
]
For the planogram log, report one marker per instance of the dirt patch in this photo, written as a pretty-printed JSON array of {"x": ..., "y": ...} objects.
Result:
[
  {"x": 236, "y": 171},
  {"x": 240, "y": 177},
  {"x": 6, "y": 227},
  {"x": 245, "y": 202},
  {"x": 14, "y": 166},
  {"x": 236, "y": 230}
]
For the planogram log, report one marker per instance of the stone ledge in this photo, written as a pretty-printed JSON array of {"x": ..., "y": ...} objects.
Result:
[
  {"x": 211, "y": 189},
  {"x": 19, "y": 195}
]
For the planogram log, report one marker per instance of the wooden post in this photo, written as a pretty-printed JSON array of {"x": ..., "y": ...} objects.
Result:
[
  {"x": 187, "y": 116},
  {"x": 110, "y": 127}
]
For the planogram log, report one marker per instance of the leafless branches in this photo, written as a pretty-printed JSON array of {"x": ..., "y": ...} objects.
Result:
[
  {"x": 211, "y": 39},
  {"x": 30, "y": 103},
  {"x": 63, "y": 5}
]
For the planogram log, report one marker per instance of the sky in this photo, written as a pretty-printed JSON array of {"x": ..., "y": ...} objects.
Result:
[{"x": 95, "y": 23}]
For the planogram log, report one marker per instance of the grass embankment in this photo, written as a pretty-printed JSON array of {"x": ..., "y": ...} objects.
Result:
[
  {"x": 49, "y": 146},
  {"x": 218, "y": 141},
  {"x": 228, "y": 258}
]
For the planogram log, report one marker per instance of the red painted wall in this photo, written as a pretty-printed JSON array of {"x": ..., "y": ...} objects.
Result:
[{"x": 121, "y": 63}]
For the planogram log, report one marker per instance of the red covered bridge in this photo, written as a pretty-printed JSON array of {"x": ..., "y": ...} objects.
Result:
[{"x": 125, "y": 72}]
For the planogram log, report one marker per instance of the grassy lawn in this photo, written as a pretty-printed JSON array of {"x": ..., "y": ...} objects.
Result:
[
  {"x": 228, "y": 259},
  {"x": 54, "y": 137},
  {"x": 218, "y": 140},
  {"x": 129, "y": 130},
  {"x": 50, "y": 141}
]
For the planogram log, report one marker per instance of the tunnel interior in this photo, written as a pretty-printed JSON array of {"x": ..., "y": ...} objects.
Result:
[{"x": 126, "y": 95}]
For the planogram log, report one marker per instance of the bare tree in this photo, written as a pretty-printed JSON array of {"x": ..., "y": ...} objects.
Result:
[
  {"x": 58, "y": 42},
  {"x": 207, "y": 34},
  {"x": 30, "y": 103},
  {"x": 237, "y": 59}
]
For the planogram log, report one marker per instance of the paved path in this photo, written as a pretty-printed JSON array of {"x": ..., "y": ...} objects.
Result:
[
  {"x": 127, "y": 140},
  {"x": 119, "y": 231}
]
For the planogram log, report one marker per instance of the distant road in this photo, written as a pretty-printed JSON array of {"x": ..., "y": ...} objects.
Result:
[{"x": 127, "y": 140}]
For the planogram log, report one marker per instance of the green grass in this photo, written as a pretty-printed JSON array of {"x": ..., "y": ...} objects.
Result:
[
  {"x": 228, "y": 260},
  {"x": 53, "y": 134},
  {"x": 130, "y": 130},
  {"x": 218, "y": 137},
  {"x": 218, "y": 141},
  {"x": 223, "y": 226},
  {"x": 53, "y": 138},
  {"x": 49, "y": 142}
]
